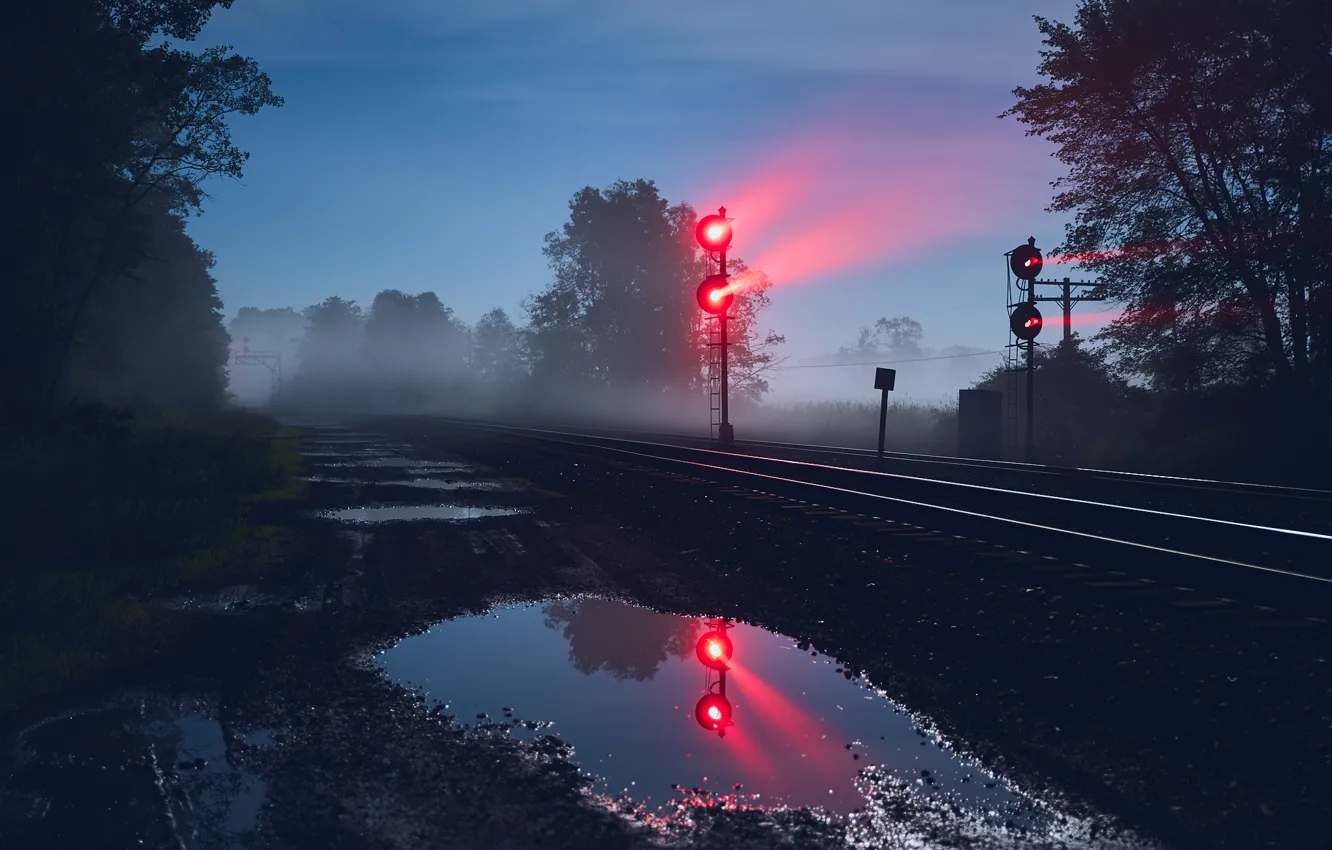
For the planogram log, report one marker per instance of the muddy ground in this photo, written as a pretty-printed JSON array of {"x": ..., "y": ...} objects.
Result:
[{"x": 1205, "y": 731}]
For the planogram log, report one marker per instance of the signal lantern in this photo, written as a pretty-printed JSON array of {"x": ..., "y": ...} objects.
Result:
[
  {"x": 713, "y": 713},
  {"x": 1025, "y": 321},
  {"x": 715, "y": 295},
  {"x": 714, "y": 649},
  {"x": 1026, "y": 261},
  {"x": 713, "y": 232}
]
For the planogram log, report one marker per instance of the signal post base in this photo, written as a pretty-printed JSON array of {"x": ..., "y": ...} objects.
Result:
[{"x": 726, "y": 434}]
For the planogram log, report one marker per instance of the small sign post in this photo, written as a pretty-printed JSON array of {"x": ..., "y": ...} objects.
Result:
[{"x": 884, "y": 379}]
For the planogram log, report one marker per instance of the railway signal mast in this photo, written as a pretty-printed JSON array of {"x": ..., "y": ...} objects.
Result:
[
  {"x": 1025, "y": 321},
  {"x": 715, "y": 298}
]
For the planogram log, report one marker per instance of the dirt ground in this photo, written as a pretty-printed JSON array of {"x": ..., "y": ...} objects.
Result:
[{"x": 1192, "y": 728}]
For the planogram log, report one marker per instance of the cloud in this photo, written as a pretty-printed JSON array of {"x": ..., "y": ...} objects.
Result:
[{"x": 972, "y": 41}]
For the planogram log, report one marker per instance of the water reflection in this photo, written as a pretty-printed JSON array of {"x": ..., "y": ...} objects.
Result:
[
  {"x": 802, "y": 729},
  {"x": 714, "y": 650},
  {"x": 627, "y": 642},
  {"x": 150, "y": 775},
  {"x": 410, "y": 513}
]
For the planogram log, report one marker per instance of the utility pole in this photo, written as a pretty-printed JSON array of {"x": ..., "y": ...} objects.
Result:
[{"x": 1067, "y": 298}]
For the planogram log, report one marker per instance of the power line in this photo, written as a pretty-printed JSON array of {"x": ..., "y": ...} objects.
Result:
[{"x": 884, "y": 362}]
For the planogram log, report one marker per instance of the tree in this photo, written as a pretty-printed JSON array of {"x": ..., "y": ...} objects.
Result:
[
  {"x": 1080, "y": 404},
  {"x": 1198, "y": 136},
  {"x": 627, "y": 642},
  {"x": 156, "y": 338},
  {"x": 496, "y": 358},
  {"x": 617, "y": 309},
  {"x": 900, "y": 337},
  {"x": 621, "y": 311},
  {"x": 113, "y": 130},
  {"x": 277, "y": 329},
  {"x": 332, "y": 344},
  {"x": 753, "y": 352},
  {"x": 413, "y": 338}
]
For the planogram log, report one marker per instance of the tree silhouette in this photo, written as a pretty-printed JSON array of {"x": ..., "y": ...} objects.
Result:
[
  {"x": 332, "y": 343},
  {"x": 497, "y": 358},
  {"x": 1197, "y": 135},
  {"x": 900, "y": 337},
  {"x": 625, "y": 641},
  {"x": 278, "y": 329},
  {"x": 1082, "y": 408},
  {"x": 155, "y": 338},
  {"x": 620, "y": 313},
  {"x": 116, "y": 129}
]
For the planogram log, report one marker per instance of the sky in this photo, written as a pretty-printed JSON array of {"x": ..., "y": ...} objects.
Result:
[{"x": 431, "y": 145}]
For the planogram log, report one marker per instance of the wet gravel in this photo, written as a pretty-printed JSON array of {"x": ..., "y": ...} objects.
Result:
[
  {"x": 1202, "y": 731},
  {"x": 1191, "y": 725}
]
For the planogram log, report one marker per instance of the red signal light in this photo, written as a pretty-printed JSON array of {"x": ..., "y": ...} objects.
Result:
[
  {"x": 713, "y": 713},
  {"x": 1025, "y": 321},
  {"x": 715, "y": 295},
  {"x": 1026, "y": 261},
  {"x": 714, "y": 650},
  {"x": 713, "y": 232}
]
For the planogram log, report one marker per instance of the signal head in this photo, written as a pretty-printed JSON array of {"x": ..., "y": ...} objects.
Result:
[
  {"x": 715, "y": 295},
  {"x": 1026, "y": 262},
  {"x": 714, "y": 649},
  {"x": 1025, "y": 321},
  {"x": 713, "y": 233},
  {"x": 713, "y": 713}
]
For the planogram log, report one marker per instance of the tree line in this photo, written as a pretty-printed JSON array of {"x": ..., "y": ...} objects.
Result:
[
  {"x": 1197, "y": 136},
  {"x": 618, "y": 320},
  {"x": 1198, "y": 141}
]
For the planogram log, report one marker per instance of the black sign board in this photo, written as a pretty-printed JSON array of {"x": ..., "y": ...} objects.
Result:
[{"x": 884, "y": 378}]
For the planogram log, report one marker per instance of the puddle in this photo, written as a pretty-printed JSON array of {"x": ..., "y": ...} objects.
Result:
[
  {"x": 395, "y": 463},
  {"x": 418, "y": 483},
  {"x": 150, "y": 775},
  {"x": 446, "y": 484},
  {"x": 415, "y": 513},
  {"x": 621, "y": 685}
]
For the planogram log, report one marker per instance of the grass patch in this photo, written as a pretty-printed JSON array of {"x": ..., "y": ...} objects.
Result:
[
  {"x": 106, "y": 510},
  {"x": 909, "y": 426}
]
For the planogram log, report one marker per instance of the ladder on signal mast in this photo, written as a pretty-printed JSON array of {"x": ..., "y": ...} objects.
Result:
[
  {"x": 714, "y": 374},
  {"x": 1015, "y": 394}
]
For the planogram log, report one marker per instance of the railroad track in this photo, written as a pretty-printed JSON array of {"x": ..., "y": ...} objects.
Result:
[
  {"x": 1273, "y": 566},
  {"x": 1306, "y": 509}
]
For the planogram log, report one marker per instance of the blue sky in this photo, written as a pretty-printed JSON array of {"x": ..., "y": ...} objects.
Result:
[{"x": 431, "y": 145}]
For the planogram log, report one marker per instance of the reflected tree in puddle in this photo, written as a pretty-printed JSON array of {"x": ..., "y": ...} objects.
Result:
[{"x": 627, "y": 642}]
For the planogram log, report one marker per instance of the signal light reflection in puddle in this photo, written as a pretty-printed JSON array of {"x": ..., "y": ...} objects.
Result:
[{"x": 714, "y": 650}]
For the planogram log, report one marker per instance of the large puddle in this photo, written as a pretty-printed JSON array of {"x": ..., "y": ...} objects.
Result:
[{"x": 627, "y": 689}]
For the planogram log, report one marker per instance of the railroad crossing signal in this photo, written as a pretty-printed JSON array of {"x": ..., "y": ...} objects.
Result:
[{"x": 1025, "y": 321}]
